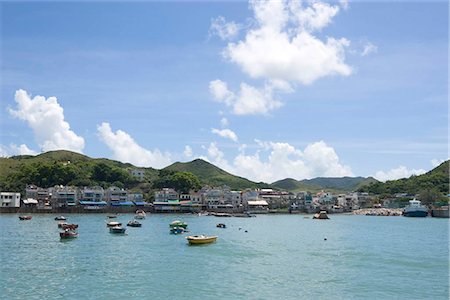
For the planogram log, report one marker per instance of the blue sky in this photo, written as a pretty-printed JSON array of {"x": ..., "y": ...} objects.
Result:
[{"x": 265, "y": 90}]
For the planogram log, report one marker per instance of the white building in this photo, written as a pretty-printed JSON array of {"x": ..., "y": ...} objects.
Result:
[{"x": 8, "y": 199}]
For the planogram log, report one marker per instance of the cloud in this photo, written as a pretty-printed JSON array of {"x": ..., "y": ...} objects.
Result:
[
  {"x": 223, "y": 29},
  {"x": 13, "y": 149},
  {"x": 344, "y": 4},
  {"x": 397, "y": 173},
  {"x": 224, "y": 122},
  {"x": 368, "y": 49},
  {"x": 225, "y": 133},
  {"x": 187, "y": 151},
  {"x": 282, "y": 46},
  {"x": 46, "y": 118},
  {"x": 437, "y": 162},
  {"x": 248, "y": 101},
  {"x": 125, "y": 149},
  {"x": 273, "y": 161}
]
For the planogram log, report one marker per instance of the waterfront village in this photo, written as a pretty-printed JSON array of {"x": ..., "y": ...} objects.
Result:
[{"x": 210, "y": 199}]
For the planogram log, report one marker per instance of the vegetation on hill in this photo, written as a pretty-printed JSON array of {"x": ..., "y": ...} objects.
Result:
[
  {"x": 432, "y": 184},
  {"x": 211, "y": 175},
  {"x": 344, "y": 184}
]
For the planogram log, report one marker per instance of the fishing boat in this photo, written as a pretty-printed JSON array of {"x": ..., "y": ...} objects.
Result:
[
  {"x": 60, "y": 218},
  {"x": 23, "y": 218},
  {"x": 60, "y": 224},
  {"x": 177, "y": 230},
  {"x": 221, "y": 225},
  {"x": 140, "y": 214},
  {"x": 201, "y": 239},
  {"x": 178, "y": 223},
  {"x": 69, "y": 226},
  {"x": 68, "y": 234},
  {"x": 322, "y": 215},
  {"x": 415, "y": 209},
  {"x": 113, "y": 224},
  {"x": 117, "y": 229},
  {"x": 134, "y": 223}
]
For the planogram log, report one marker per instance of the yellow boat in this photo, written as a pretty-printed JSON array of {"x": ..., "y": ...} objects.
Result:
[{"x": 201, "y": 239}]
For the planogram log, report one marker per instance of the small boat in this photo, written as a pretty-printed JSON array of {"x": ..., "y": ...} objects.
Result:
[
  {"x": 321, "y": 216},
  {"x": 415, "y": 209},
  {"x": 68, "y": 234},
  {"x": 113, "y": 224},
  {"x": 134, "y": 223},
  {"x": 111, "y": 216},
  {"x": 60, "y": 224},
  {"x": 140, "y": 214},
  {"x": 60, "y": 218},
  {"x": 69, "y": 226},
  {"x": 222, "y": 215},
  {"x": 201, "y": 239},
  {"x": 23, "y": 218},
  {"x": 178, "y": 223},
  {"x": 117, "y": 229},
  {"x": 221, "y": 225},
  {"x": 177, "y": 230}
]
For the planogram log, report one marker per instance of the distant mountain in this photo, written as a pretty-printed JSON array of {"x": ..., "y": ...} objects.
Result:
[
  {"x": 436, "y": 180},
  {"x": 324, "y": 183},
  {"x": 211, "y": 175}
]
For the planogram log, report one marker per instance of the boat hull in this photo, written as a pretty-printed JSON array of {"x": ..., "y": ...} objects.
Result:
[
  {"x": 193, "y": 240},
  {"x": 119, "y": 230},
  {"x": 416, "y": 214}
]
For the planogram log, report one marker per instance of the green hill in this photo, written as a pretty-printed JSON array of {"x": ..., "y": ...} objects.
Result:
[
  {"x": 435, "y": 180},
  {"x": 211, "y": 175},
  {"x": 333, "y": 184}
]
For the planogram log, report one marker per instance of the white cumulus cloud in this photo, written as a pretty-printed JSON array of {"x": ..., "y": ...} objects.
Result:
[
  {"x": 13, "y": 149},
  {"x": 223, "y": 29},
  {"x": 225, "y": 133},
  {"x": 46, "y": 118},
  {"x": 436, "y": 162},
  {"x": 248, "y": 101},
  {"x": 273, "y": 161},
  {"x": 282, "y": 46},
  {"x": 368, "y": 49},
  {"x": 125, "y": 149},
  {"x": 397, "y": 173}
]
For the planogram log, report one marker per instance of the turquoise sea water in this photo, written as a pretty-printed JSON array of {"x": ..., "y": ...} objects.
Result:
[{"x": 281, "y": 256}]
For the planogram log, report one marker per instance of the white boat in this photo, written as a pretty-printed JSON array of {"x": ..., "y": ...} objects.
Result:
[
  {"x": 117, "y": 229},
  {"x": 140, "y": 214},
  {"x": 415, "y": 209},
  {"x": 113, "y": 224}
]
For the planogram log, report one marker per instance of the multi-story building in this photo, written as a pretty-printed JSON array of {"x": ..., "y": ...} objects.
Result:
[
  {"x": 9, "y": 199},
  {"x": 93, "y": 196},
  {"x": 166, "y": 200},
  {"x": 137, "y": 173},
  {"x": 41, "y": 195},
  {"x": 64, "y": 196},
  {"x": 117, "y": 197}
]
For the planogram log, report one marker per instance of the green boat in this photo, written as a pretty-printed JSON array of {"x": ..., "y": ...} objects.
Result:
[{"x": 178, "y": 224}]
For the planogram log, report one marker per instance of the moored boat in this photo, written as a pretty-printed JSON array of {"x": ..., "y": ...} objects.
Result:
[
  {"x": 322, "y": 215},
  {"x": 134, "y": 223},
  {"x": 111, "y": 216},
  {"x": 140, "y": 214},
  {"x": 415, "y": 209},
  {"x": 178, "y": 223},
  {"x": 201, "y": 239},
  {"x": 23, "y": 218},
  {"x": 60, "y": 218},
  {"x": 68, "y": 234},
  {"x": 221, "y": 225},
  {"x": 113, "y": 223},
  {"x": 69, "y": 226},
  {"x": 176, "y": 230},
  {"x": 117, "y": 229}
]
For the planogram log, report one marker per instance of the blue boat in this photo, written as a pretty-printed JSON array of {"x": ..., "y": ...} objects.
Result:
[
  {"x": 177, "y": 230},
  {"x": 415, "y": 209}
]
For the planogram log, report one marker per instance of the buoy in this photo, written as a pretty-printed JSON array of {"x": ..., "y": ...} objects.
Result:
[
  {"x": 325, "y": 239},
  {"x": 246, "y": 231}
]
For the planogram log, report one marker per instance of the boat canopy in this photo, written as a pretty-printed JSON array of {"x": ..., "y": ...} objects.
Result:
[
  {"x": 125, "y": 203},
  {"x": 139, "y": 203}
]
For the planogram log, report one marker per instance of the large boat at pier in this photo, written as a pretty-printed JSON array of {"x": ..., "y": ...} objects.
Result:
[{"x": 415, "y": 209}]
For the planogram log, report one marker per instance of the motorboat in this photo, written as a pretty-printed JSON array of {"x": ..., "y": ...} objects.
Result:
[
  {"x": 322, "y": 215},
  {"x": 23, "y": 218},
  {"x": 68, "y": 234},
  {"x": 134, "y": 223},
  {"x": 113, "y": 224},
  {"x": 177, "y": 230},
  {"x": 117, "y": 229},
  {"x": 140, "y": 214},
  {"x": 415, "y": 209},
  {"x": 221, "y": 225},
  {"x": 178, "y": 223},
  {"x": 61, "y": 224},
  {"x": 201, "y": 239},
  {"x": 60, "y": 218},
  {"x": 69, "y": 226}
]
